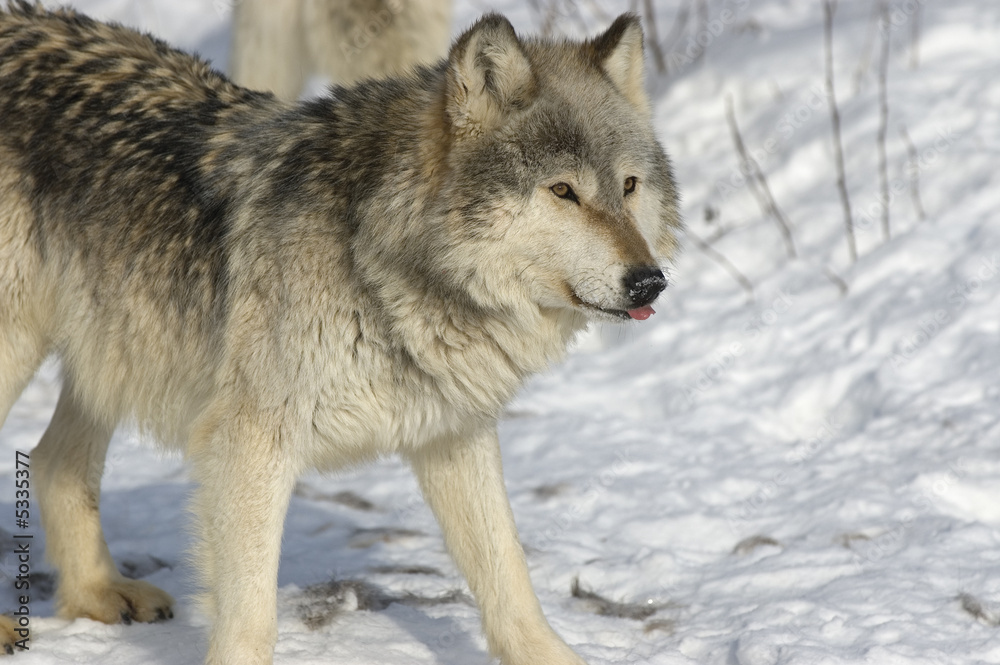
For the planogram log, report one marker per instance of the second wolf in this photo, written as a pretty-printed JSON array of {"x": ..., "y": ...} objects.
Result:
[
  {"x": 278, "y": 45},
  {"x": 276, "y": 288}
]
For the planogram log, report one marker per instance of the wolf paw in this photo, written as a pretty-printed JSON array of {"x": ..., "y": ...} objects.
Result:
[
  {"x": 122, "y": 601},
  {"x": 8, "y": 638}
]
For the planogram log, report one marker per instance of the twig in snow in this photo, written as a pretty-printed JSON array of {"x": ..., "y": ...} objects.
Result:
[
  {"x": 678, "y": 28},
  {"x": 721, "y": 259},
  {"x": 865, "y": 61},
  {"x": 883, "y": 118},
  {"x": 758, "y": 182},
  {"x": 915, "y": 38},
  {"x": 654, "y": 39},
  {"x": 702, "y": 25},
  {"x": 913, "y": 171},
  {"x": 748, "y": 545},
  {"x": 598, "y": 604},
  {"x": 852, "y": 247},
  {"x": 836, "y": 279},
  {"x": 975, "y": 608}
]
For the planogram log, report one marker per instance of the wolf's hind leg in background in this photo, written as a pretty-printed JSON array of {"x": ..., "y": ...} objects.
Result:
[
  {"x": 67, "y": 465},
  {"x": 23, "y": 343},
  {"x": 267, "y": 52},
  {"x": 20, "y": 353}
]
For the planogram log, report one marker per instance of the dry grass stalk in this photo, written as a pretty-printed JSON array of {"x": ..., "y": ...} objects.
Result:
[
  {"x": 758, "y": 181},
  {"x": 852, "y": 246},
  {"x": 726, "y": 264},
  {"x": 913, "y": 171},
  {"x": 915, "y": 38},
  {"x": 883, "y": 119},
  {"x": 653, "y": 39}
]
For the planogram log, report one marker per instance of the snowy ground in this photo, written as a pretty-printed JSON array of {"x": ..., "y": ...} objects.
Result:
[{"x": 809, "y": 477}]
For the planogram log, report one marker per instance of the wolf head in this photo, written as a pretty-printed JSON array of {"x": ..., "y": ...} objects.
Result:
[{"x": 563, "y": 186}]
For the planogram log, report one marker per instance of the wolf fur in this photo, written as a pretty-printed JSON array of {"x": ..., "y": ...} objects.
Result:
[
  {"x": 276, "y": 288},
  {"x": 277, "y": 45}
]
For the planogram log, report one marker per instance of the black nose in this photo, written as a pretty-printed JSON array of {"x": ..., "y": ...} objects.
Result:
[{"x": 644, "y": 284}]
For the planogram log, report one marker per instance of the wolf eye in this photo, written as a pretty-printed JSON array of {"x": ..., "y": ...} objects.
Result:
[
  {"x": 630, "y": 185},
  {"x": 564, "y": 191}
]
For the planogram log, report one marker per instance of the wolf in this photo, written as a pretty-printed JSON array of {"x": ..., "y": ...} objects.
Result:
[
  {"x": 277, "y": 45},
  {"x": 273, "y": 288}
]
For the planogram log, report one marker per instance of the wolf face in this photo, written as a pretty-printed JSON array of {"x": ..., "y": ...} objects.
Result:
[{"x": 554, "y": 151}]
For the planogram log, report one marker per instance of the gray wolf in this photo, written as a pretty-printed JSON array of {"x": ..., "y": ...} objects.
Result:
[
  {"x": 274, "y": 288},
  {"x": 277, "y": 45}
]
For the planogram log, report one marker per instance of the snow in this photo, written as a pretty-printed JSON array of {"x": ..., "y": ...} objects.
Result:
[{"x": 809, "y": 477}]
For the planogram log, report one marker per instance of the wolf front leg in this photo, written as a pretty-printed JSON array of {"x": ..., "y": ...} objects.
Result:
[
  {"x": 463, "y": 483},
  {"x": 245, "y": 483}
]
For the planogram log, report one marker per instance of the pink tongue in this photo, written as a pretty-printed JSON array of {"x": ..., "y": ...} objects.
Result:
[{"x": 641, "y": 313}]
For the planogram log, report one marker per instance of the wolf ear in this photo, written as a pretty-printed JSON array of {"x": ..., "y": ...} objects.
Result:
[
  {"x": 618, "y": 53},
  {"x": 488, "y": 76}
]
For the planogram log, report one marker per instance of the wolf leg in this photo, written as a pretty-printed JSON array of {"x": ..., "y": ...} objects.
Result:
[
  {"x": 267, "y": 51},
  {"x": 68, "y": 465},
  {"x": 8, "y": 634},
  {"x": 22, "y": 342},
  {"x": 245, "y": 483},
  {"x": 463, "y": 483},
  {"x": 19, "y": 360}
]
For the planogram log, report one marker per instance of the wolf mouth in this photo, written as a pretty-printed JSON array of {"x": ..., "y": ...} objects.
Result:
[
  {"x": 638, "y": 314},
  {"x": 619, "y": 313}
]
